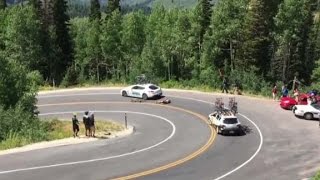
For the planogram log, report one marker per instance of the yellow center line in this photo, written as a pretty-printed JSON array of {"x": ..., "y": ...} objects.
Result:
[{"x": 189, "y": 157}]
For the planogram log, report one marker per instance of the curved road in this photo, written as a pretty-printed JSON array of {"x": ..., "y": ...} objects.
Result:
[{"x": 169, "y": 134}]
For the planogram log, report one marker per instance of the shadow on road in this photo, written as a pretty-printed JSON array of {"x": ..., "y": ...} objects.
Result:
[
  {"x": 244, "y": 131},
  {"x": 302, "y": 118}
]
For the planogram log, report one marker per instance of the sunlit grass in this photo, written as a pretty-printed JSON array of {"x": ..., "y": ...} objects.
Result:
[{"x": 58, "y": 129}]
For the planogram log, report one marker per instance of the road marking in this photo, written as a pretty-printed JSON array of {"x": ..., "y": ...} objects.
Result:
[
  {"x": 207, "y": 102},
  {"x": 251, "y": 158},
  {"x": 151, "y": 171},
  {"x": 80, "y": 94},
  {"x": 167, "y": 166},
  {"x": 105, "y": 158},
  {"x": 213, "y": 135}
]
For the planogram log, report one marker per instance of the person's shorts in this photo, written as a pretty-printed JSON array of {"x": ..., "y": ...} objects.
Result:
[
  {"x": 87, "y": 127},
  {"x": 75, "y": 128}
]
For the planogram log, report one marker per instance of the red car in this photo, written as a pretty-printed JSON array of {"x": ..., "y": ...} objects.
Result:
[{"x": 289, "y": 102}]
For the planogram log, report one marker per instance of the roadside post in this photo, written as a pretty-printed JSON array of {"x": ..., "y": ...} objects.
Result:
[{"x": 125, "y": 120}]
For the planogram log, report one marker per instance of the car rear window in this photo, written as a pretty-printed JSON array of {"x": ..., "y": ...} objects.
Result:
[
  {"x": 153, "y": 87},
  {"x": 230, "y": 121}
]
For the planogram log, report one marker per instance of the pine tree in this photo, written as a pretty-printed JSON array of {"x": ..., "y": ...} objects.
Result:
[
  {"x": 95, "y": 13},
  {"x": 112, "y": 6},
  {"x": 200, "y": 25},
  {"x": 36, "y": 4},
  {"x": 204, "y": 8},
  {"x": 294, "y": 54},
  {"x": 61, "y": 39},
  {"x": 255, "y": 51},
  {"x": 3, "y": 4}
]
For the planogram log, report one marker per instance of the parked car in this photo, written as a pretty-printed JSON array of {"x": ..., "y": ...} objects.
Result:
[
  {"x": 289, "y": 102},
  {"x": 143, "y": 91},
  {"x": 311, "y": 111}
]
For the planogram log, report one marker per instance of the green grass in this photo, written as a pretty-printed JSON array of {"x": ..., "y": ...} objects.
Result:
[
  {"x": 317, "y": 176},
  {"x": 57, "y": 129}
]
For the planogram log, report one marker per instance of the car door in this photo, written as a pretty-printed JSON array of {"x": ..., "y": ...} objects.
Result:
[
  {"x": 135, "y": 91},
  {"x": 140, "y": 91},
  {"x": 315, "y": 110}
]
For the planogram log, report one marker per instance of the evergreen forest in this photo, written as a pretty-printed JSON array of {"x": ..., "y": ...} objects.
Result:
[{"x": 58, "y": 43}]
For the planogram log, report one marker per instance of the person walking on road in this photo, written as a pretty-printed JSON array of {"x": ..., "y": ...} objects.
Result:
[
  {"x": 75, "y": 125},
  {"x": 86, "y": 122}
]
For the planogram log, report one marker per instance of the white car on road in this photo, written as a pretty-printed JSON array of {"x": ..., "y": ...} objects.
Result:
[
  {"x": 311, "y": 111},
  {"x": 225, "y": 122},
  {"x": 144, "y": 91}
]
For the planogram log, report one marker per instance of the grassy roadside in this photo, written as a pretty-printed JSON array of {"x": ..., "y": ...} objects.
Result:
[
  {"x": 58, "y": 129},
  {"x": 317, "y": 176}
]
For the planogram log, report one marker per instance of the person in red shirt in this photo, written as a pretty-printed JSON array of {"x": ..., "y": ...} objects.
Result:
[{"x": 274, "y": 92}]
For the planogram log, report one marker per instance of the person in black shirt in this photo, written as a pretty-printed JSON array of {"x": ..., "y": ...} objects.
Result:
[
  {"x": 75, "y": 125},
  {"x": 86, "y": 122}
]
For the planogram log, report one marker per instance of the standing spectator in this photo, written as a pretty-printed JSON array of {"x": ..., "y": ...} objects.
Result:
[
  {"x": 92, "y": 125},
  {"x": 86, "y": 121},
  {"x": 225, "y": 85},
  {"x": 296, "y": 94},
  {"x": 274, "y": 92},
  {"x": 285, "y": 91},
  {"x": 75, "y": 125}
]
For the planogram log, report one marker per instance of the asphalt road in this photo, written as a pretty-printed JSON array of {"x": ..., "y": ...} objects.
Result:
[{"x": 277, "y": 145}]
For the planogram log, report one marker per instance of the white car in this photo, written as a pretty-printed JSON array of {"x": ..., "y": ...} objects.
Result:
[
  {"x": 311, "y": 111},
  {"x": 225, "y": 122},
  {"x": 144, "y": 91}
]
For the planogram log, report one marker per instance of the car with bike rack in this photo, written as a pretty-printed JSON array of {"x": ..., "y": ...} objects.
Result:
[{"x": 223, "y": 119}]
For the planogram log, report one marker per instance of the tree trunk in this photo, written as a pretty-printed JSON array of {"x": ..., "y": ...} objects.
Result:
[{"x": 98, "y": 75}]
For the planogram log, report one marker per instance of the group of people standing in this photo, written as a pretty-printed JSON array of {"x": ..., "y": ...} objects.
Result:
[
  {"x": 89, "y": 124},
  {"x": 296, "y": 93},
  {"x": 284, "y": 92}
]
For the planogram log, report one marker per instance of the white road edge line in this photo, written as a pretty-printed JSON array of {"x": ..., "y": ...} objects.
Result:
[
  {"x": 218, "y": 178},
  {"x": 105, "y": 158},
  {"x": 251, "y": 158},
  {"x": 80, "y": 94}
]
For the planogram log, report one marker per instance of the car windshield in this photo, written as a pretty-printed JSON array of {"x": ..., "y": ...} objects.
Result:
[
  {"x": 153, "y": 87},
  {"x": 317, "y": 106},
  {"x": 230, "y": 121}
]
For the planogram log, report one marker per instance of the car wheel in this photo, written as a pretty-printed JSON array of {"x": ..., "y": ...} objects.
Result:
[
  {"x": 144, "y": 96},
  {"x": 308, "y": 116},
  {"x": 124, "y": 94},
  {"x": 294, "y": 109}
]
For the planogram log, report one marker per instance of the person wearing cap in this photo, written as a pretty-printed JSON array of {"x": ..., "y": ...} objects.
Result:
[
  {"x": 75, "y": 125},
  {"x": 86, "y": 122}
]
